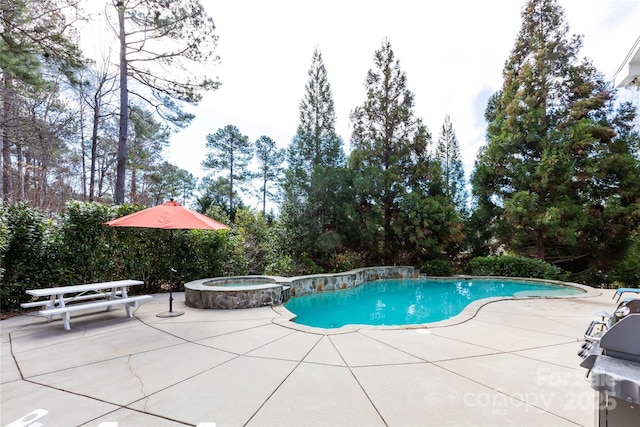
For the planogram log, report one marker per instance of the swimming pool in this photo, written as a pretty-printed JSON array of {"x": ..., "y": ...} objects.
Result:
[{"x": 409, "y": 301}]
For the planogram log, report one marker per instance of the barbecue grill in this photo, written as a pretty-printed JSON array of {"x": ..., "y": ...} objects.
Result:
[{"x": 611, "y": 355}]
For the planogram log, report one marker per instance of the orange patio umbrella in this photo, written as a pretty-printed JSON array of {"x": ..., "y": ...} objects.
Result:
[{"x": 169, "y": 216}]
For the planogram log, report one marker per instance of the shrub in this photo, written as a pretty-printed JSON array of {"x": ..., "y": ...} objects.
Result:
[
  {"x": 437, "y": 267},
  {"x": 282, "y": 266},
  {"x": 515, "y": 266},
  {"x": 29, "y": 253},
  {"x": 346, "y": 261},
  {"x": 86, "y": 253}
]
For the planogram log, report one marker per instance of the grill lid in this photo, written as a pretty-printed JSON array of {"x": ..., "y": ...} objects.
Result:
[{"x": 623, "y": 339}]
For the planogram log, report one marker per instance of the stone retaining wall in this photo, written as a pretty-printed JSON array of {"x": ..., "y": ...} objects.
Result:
[
  {"x": 331, "y": 282},
  {"x": 220, "y": 293}
]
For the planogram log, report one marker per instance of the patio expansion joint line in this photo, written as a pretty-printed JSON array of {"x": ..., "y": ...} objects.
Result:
[
  {"x": 13, "y": 356},
  {"x": 173, "y": 420},
  {"x": 283, "y": 380},
  {"x": 503, "y": 392},
  {"x": 235, "y": 331},
  {"x": 128, "y": 356},
  {"x": 146, "y": 397},
  {"x": 529, "y": 329},
  {"x": 205, "y": 338},
  {"x": 373, "y": 405},
  {"x": 235, "y": 356},
  {"x": 422, "y": 358},
  {"x": 96, "y": 399},
  {"x": 497, "y": 350},
  {"x": 517, "y": 354}
]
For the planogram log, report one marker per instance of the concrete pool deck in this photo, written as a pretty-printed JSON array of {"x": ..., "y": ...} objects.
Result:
[{"x": 514, "y": 364}]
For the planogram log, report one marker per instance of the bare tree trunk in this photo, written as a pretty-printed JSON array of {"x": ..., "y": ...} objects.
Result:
[
  {"x": 22, "y": 177},
  {"x": 540, "y": 250},
  {"x": 83, "y": 153},
  {"x": 264, "y": 197},
  {"x": 7, "y": 107},
  {"x": 124, "y": 109},
  {"x": 94, "y": 146}
]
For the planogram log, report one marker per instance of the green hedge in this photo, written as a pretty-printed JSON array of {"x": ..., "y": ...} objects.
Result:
[
  {"x": 76, "y": 247},
  {"x": 29, "y": 252},
  {"x": 515, "y": 266},
  {"x": 437, "y": 267}
]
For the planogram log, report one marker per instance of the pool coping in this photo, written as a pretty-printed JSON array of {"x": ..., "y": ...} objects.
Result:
[
  {"x": 262, "y": 282},
  {"x": 287, "y": 319}
]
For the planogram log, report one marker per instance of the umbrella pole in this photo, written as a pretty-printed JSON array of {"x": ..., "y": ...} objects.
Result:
[{"x": 170, "y": 313}]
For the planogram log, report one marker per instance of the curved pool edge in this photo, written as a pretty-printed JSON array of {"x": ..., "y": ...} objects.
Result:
[{"x": 287, "y": 318}]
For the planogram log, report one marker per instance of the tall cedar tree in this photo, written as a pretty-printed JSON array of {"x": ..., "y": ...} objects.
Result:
[
  {"x": 270, "y": 159},
  {"x": 315, "y": 160},
  {"x": 230, "y": 151},
  {"x": 161, "y": 44},
  {"x": 448, "y": 155},
  {"x": 558, "y": 179},
  {"x": 389, "y": 157},
  {"x": 35, "y": 47}
]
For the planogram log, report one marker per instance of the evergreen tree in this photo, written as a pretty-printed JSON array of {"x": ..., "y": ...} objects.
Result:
[
  {"x": 35, "y": 49},
  {"x": 389, "y": 160},
  {"x": 230, "y": 151},
  {"x": 148, "y": 138},
  {"x": 316, "y": 143},
  {"x": 557, "y": 179},
  {"x": 270, "y": 169},
  {"x": 314, "y": 178},
  {"x": 448, "y": 155}
]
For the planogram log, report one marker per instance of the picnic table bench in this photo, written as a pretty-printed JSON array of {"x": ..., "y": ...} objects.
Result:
[{"x": 96, "y": 295}]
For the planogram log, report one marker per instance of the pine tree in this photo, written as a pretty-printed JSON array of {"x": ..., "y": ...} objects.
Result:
[
  {"x": 316, "y": 143},
  {"x": 230, "y": 151},
  {"x": 35, "y": 48},
  {"x": 270, "y": 169},
  {"x": 448, "y": 155},
  {"x": 161, "y": 43},
  {"x": 389, "y": 156},
  {"x": 546, "y": 181},
  {"x": 313, "y": 179}
]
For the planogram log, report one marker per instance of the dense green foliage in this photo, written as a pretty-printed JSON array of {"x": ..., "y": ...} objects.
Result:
[
  {"x": 29, "y": 252},
  {"x": 558, "y": 179},
  {"x": 77, "y": 248},
  {"x": 315, "y": 185},
  {"x": 402, "y": 212},
  {"x": 515, "y": 266}
]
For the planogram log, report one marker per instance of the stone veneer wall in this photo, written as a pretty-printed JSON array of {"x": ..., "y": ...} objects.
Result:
[
  {"x": 330, "y": 282},
  {"x": 232, "y": 299},
  {"x": 204, "y": 294}
]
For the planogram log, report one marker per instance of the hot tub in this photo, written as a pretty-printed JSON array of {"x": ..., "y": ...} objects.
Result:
[{"x": 234, "y": 292}]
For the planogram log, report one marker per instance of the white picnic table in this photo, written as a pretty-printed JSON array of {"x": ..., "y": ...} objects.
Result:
[{"x": 63, "y": 300}]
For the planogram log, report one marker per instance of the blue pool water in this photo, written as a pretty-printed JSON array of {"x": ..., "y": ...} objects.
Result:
[{"x": 408, "y": 302}]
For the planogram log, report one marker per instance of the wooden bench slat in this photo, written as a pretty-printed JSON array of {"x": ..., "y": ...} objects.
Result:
[{"x": 95, "y": 304}]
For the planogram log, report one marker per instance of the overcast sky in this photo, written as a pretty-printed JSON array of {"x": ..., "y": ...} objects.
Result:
[{"x": 453, "y": 52}]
